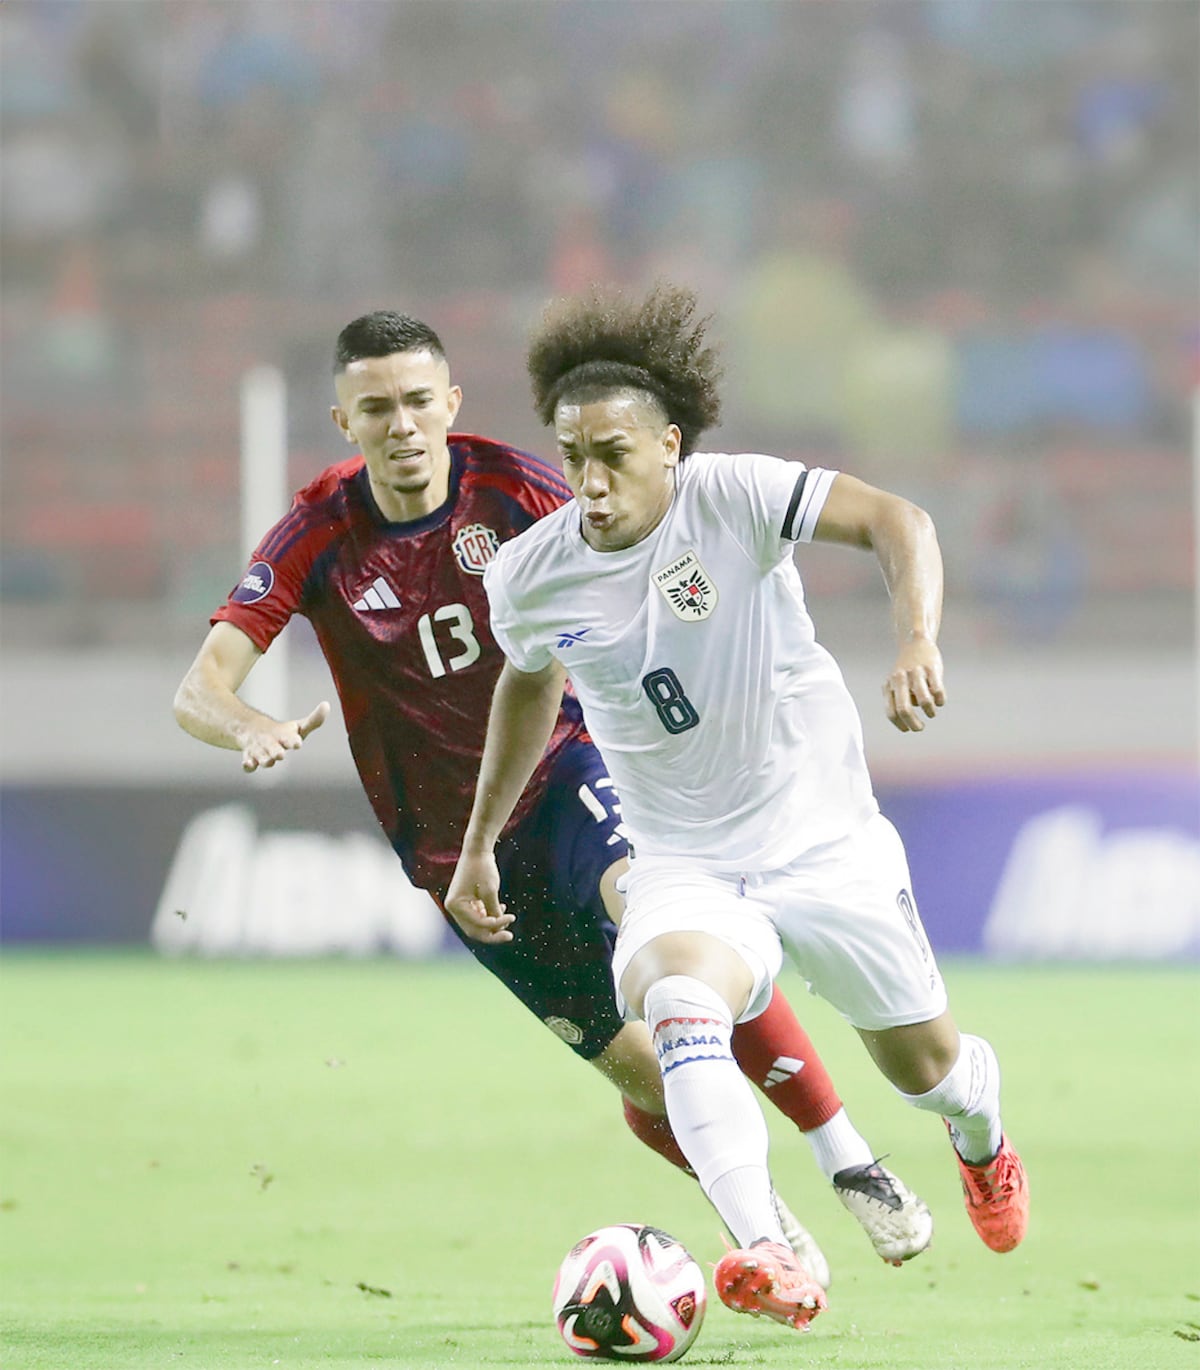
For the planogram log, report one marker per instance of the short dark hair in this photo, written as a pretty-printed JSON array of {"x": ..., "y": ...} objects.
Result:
[
  {"x": 592, "y": 345},
  {"x": 381, "y": 333}
]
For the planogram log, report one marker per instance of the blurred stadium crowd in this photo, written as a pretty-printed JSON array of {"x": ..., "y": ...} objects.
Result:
[{"x": 951, "y": 245}]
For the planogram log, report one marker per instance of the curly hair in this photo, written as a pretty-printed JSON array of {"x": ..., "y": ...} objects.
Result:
[{"x": 588, "y": 346}]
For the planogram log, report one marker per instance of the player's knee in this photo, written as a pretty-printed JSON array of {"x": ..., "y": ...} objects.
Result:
[
  {"x": 917, "y": 1057},
  {"x": 695, "y": 955}
]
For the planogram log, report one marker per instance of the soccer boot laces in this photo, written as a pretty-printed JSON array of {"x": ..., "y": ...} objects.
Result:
[
  {"x": 897, "y": 1221},
  {"x": 996, "y": 1194}
]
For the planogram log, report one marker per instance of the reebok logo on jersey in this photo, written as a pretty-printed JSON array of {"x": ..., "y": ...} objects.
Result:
[
  {"x": 687, "y": 588},
  {"x": 474, "y": 546},
  {"x": 566, "y": 639},
  {"x": 782, "y": 1069},
  {"x": 256, "y": 584},
  {"x": 379, "y": 595}
]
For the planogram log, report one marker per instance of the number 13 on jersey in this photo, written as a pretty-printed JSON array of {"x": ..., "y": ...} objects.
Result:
[{"x": 461, "y": 629}]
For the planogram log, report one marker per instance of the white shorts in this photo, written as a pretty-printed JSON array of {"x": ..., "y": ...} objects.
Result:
[{"x": 844, "y": 913}]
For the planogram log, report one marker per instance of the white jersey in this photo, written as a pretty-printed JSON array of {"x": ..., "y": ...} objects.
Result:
[{"x": 727, "y": 729}]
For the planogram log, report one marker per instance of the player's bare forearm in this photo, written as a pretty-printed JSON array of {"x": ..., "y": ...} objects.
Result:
[
  {"x": 208, "y": 706},
  {"x": 524, "y": 709},
  {"x": 907, "y": 547},
  {"x": 904, "y": 540},
  {"x": 210, "y": 711}
]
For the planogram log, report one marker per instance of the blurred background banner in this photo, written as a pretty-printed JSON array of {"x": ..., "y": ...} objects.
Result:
[
  {"x": 1097, "y": 866},
  {"x": 951, "y": 247}
]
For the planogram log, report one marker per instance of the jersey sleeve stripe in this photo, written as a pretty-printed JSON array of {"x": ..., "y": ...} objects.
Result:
[
  {"x": 788, "y": 530},
  {"x": 506, "y": 482},
  {"x": 533, "y": 469},
  {"x": 303, "y": 522},
  {"x": 287, "y": 538},
  {"x": 546, "y": 475},
  {"x": 284, "y": 530},
  {"x": 816, "y": 492}
]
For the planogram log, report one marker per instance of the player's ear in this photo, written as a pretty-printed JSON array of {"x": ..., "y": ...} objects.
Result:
[
  {"x": 454, "y": 401},
  {"x": 338, "y": 415},
  {"x": 672, "y": 439}
]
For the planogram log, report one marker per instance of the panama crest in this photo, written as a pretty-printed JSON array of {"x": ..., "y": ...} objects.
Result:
[{"x": 688, "y": 588}]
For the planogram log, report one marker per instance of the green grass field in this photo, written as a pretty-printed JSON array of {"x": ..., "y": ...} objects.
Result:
[{"x": 225, "y": 1166}]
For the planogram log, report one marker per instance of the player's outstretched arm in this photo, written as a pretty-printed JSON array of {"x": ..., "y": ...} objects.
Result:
[
  {"x": 902, "y": 536},
  {"x": 207, "y": 703},
  {"x": 525, "y": 706}
]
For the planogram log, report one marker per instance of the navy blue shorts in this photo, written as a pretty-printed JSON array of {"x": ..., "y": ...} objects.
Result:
[{"x": 559, "y": 963}]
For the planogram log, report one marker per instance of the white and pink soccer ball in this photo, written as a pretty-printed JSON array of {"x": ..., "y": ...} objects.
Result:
[{"x": 629, "y": 1293}]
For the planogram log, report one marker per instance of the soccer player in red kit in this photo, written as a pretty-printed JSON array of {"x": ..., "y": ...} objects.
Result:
[{"x": 384, "y": 553}]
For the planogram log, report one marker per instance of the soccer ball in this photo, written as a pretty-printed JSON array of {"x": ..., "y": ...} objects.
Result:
[{"x": 630, "y": 1293}]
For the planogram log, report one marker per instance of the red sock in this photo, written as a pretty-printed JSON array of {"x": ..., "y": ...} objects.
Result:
[
  {"x": 656, "y": 1133},
  {"x": 777, "y": 1055}
]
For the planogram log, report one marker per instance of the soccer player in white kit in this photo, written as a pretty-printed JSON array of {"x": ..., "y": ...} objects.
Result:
[{"x": 669, "y": 595}]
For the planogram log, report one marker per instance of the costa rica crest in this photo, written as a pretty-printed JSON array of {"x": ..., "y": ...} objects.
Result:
[
  {"x": 688, "y": 588},
  {"x": 474, "y": 546}
]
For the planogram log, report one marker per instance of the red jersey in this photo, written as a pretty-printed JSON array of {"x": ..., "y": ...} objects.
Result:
[{"x": 402, "y": 618}]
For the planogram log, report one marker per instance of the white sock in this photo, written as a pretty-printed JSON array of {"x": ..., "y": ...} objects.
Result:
[
  {"x": 838, "y": 1145},
  {"x": 737, "y": 1197},
  {"x": 713, "y": 1112},
  {"x": 969, "y": 1099}
]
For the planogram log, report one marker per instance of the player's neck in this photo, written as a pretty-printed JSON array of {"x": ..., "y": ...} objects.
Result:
[{"x": 406, "y": 506}]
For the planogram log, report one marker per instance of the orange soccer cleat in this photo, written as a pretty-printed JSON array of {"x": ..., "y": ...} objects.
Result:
[
  {"x": 996, "y": 1194},
  {"x": 766, "y": 1279}
]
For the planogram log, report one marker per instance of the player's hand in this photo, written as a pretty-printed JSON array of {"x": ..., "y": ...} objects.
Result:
[
  {"x": 473, "y": 899},
  {"x": 268, "y": 743},
  {"x": 915, "y": 685}
]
